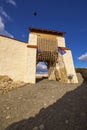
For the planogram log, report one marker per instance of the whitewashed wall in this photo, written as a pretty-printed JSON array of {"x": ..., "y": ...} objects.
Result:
[
  {"x": 31, "y": 59},
  {"x": 13, "y": 58},
  {"x": 19, "y": 62},
  {"x": 69, "y": 64},
  {"x": 61, "y": 41}
]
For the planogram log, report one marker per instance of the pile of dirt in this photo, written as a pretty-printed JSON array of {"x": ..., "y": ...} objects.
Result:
[{"x": 7, "y": 84}]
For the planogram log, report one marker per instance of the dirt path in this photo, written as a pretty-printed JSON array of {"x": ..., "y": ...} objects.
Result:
[{"x": 47, "y": 105}]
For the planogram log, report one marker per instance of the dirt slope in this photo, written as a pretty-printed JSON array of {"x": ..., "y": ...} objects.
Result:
[{"x": 47, "y": 105}]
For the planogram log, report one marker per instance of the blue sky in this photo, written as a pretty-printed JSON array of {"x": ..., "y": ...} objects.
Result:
[{"x": 70, "y": 16}]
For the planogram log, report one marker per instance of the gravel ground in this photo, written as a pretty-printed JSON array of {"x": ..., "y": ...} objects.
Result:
[{"x": 47, "y": 105}]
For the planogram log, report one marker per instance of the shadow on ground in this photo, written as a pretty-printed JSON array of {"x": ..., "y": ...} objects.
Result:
[
  {"x": 68, "y": 113},
  {"x": 40, "y": 79}
]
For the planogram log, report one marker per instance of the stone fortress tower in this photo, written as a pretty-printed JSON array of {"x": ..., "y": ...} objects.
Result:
[{"x": 18, "y": 59}]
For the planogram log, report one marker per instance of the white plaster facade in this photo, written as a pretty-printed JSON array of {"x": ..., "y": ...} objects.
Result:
[
  {"x": 12, "y": 58},
  {"x": 19, "y": 61},
  {"x": 69, "y": 65},
  {"x": 61, "y": 41},
  {"x": 31, "y": 60}
]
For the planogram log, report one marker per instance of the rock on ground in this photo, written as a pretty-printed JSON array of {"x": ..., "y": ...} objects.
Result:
[{"x": 7, "y": 84}]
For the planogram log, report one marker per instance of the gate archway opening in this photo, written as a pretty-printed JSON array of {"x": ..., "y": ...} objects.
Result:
[
  {"x": 47, "y": 51},
  {"x": 41, "y": 71},
  {"x": 50, "y": 46}
]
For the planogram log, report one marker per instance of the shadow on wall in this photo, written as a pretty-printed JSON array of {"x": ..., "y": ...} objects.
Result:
[{"x": 68, "y": 113}]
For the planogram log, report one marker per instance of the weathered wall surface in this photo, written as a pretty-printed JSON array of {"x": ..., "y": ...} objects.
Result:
[
  {"x": 13, "y": 58},
  {"x": 51, "y": 72},
  {"x": 61, "y": 74},
  {"x": 61, "y": 41},
  {"x": 19, "y": 61},
  {"x": 68, "y": 60}
]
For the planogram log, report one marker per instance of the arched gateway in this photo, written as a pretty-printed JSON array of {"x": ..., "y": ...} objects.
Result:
[
  {"x": 18, "y": 59},
  {"x": 50, "y": 48}
]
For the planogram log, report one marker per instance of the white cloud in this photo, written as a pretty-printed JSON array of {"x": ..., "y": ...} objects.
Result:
[
  {"x": 83, "y": 57},
  {"x": 5, "y": 16},
  {"x": 11, "y": 2},
  {"x": 3, "y": 31},
  {"x": 41, "y": 67},
  {"x": 3, "y": 13},
  {"x": 1, "y": 24}
]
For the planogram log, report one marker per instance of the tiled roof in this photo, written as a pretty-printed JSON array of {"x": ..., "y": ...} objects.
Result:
[{"x": 38, "y": 30}]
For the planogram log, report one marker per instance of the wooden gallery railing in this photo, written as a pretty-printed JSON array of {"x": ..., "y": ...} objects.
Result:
[{"x": 47, "y": 50}]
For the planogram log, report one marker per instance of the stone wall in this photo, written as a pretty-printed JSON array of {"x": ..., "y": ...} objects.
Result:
[{"x": 60, "y": 71}]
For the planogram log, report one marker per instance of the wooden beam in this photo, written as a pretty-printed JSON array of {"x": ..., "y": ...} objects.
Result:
[
  {"x": 65, "y": 48},
  {"x": 32, "y": 46}
]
